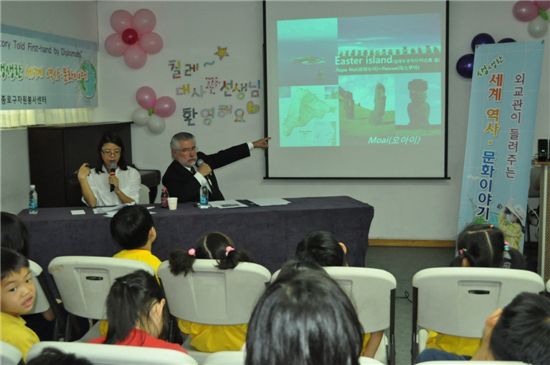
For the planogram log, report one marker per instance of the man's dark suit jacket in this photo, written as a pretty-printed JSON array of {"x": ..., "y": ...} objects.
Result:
[{"x": 181, "y": 183}]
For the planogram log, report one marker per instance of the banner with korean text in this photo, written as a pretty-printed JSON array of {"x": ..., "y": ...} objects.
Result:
[
  {"x": 43, "y": 71},
  {"x": 501, "y": 124}
]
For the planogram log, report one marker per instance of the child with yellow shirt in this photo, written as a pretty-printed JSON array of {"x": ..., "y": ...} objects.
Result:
[
  {"x": 18, "y": 295},
  {"x": 133, "y": 229},
  {"x": 211, "y": 338}
]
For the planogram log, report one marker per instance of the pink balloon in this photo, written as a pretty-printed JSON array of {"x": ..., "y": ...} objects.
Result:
[
  {"x": 144, "y": 21},
  {"x": 165, "y": 106},
  {"x": 151, "y": 43},
  {"x": 525, "y": 11},
  {"x": 146, "y": 97},
  {"x": 135, "y": 57},
  {"x": 545, "y": 5},
  {"x": 120, "y": 20},
  {"x": 114, "y": 45}
]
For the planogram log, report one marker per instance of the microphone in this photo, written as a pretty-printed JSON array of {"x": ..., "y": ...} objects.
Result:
[
  {"x": 200, "y": 162},
  {"x": 112, "y": 169}
]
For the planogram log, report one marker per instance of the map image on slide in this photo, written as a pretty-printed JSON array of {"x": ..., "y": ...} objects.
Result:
[{"x": 309, "y": 116}]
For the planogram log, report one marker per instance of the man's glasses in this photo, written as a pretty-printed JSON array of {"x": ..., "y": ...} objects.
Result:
[{"x": 187, "y": 150}]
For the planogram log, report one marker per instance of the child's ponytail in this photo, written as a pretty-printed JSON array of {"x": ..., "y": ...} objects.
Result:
[
  {"x": 232, "y": 258},
  {"x": 182, "y": 261}
]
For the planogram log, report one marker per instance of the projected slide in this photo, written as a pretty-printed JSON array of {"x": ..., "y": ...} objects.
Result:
[{"x": 353, "y": 81}]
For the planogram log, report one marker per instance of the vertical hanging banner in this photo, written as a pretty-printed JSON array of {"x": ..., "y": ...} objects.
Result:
[
  {"x": 501, "y": 124},
  {"x": 43, "y": 71}
]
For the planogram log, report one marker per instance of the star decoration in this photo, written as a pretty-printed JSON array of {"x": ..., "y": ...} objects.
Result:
[{"x": 221, "y": 52}]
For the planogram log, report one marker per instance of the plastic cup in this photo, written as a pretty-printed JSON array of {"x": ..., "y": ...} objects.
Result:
[{"x": 172, "y": 203}]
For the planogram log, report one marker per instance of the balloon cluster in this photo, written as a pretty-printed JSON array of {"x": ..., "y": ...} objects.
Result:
[
  {"x": 465, "y": 64},
  {"x": 534, "y": 12},
  {"x": 134, "y": 37},
  {"x": 153, "y": 110}
]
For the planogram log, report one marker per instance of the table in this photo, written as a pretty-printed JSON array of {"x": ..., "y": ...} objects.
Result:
[{"x": 269, "y": 234}]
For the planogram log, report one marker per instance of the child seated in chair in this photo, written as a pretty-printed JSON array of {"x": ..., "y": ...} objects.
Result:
[
  {"x": 214, "y": 246},
  {"x": 519, "y": 332},
  {"x": 304, "y": 317},
  {"x": 18, "y": 295},
  {"x": 135, "y": 311},
  {"x": 478, "y": 245},
  {"x": 133, "y": 229},
  {"x": 324, "y": 249}
]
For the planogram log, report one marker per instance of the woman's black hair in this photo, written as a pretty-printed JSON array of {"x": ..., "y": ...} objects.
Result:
[
  {"x": 215, "y": 246},
  {"x": 14, "y": 233},
  {"x": 306, "y": 319},
  {"x": 53, "y": 356},
  {"x": 483, "y": 245},
  {"x": 111, "y": 137},
  {"x": 321, "y": 247},
  {"x": 129, "y": 303},
  {"x": 11, "y": 261}
]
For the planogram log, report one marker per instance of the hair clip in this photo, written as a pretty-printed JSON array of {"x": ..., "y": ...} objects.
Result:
[
  {"x": 228, "y": 249},
  {"x": 191, "y": 252},
  {"x": 462, "y": 251}
]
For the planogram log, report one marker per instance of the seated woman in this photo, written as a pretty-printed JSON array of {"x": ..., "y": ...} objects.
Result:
[
  {"x": 304, "y": 319},
  {"x": 112, "y": 181},
  {"x": 136, "y": 313}
]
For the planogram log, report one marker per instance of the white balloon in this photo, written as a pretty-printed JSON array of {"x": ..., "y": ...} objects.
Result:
[
  {"x": 140, "y": 116},
  {"x": 537, "y": 27},
  {"x": 156, "y": 124}
]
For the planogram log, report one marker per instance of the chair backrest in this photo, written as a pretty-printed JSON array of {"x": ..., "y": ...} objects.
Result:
[
  {"x": 469, "y": 362},
  {"x": 9, "y": 354},
  {"x": 371, "y": 292},
  {"x": 84, "y": 281},
  {"x": 100, "y": 354},
  {"x": 41, "y": 303},
  {"x": 225, "y": 358},
  {"x": 456, "y": 300},
  {"x": 213, "y": 296},
  {"x": 548, "y": 286},
  {"x": 238, "y": 357}
]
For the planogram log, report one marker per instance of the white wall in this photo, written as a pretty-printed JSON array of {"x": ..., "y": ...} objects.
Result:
[
  {"x": 77, "y": 19},
  {"x": 403, "y": 209}
]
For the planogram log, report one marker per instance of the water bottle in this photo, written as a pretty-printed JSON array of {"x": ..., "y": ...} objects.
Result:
[
  {"x": 33, "y": 200},
  {"x": 203, "y": 199},
  {"x": 164, "y": 197},
  {"x": 507, "y": 258}
]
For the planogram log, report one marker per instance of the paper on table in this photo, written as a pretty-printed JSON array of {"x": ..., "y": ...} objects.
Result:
[
  {"x": 223, "y": 204},
  {"x": 266, "y": 202},
  {"x": 111, "y": 208},
  {"x": 78, "y": 212}
]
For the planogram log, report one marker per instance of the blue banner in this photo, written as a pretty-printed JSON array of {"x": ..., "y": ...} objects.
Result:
[
  {"x": 44, "y": 71},
  {"x": 499, "y": 145}
]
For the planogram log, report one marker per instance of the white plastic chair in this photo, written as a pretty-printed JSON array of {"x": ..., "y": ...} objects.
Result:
[
  {"x": 84, "y": 283},
  {"x": 457, "y": 300},
  {"x": 100, "y": 354},
  {"x": 45, "y": 300},
  {"x": 548, "y": 286},
  {"x": 238, "y": 357},
  {"x": 9, "y": 354},
  {"x": 469, "y": 362},
  {"x": 372, "y": 292},
  {"x": 213, "y": 296}
]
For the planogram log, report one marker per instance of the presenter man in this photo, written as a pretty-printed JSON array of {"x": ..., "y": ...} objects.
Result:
[{"x": 191, "y": 168}]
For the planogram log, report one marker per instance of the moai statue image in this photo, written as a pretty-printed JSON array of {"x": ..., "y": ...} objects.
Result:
[
  {"x": 377, "y": 115},
  {"x": 418, "y": 108}
]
